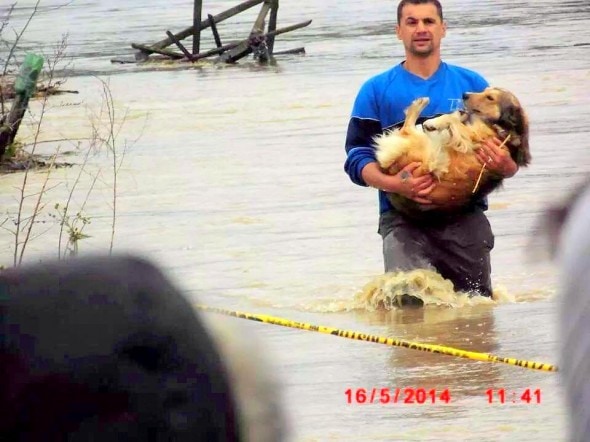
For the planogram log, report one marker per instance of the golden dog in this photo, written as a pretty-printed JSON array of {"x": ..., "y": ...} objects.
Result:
[{"x": 446, "y": 148}]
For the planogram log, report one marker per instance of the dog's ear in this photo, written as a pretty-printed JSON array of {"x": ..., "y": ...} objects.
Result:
[
  {"x": 512, "y": 118},
  {"x": 463, "y": 116},
  {"x": 515, "y": 120}
]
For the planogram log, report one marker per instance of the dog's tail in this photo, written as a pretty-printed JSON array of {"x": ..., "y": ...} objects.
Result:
[{"x": 389, "y": 147}]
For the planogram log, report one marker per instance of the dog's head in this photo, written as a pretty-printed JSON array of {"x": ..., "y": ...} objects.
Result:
[{"x": 501, "y": 108}]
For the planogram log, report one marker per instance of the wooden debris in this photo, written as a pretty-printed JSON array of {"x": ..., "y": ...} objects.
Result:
[
  {"x": 258, "y": 42},
  {"x": 293, "y": 51},
  {"x": 215, "y": 32},
  {"x": 253, "y": 40},
  {"x": 272, "y": 25},
  {"x": 153, "y": 50},
  {"x": 7, "y": 91},
  {"x": 247, "y": 46},
  {"x": 186, "y": 53},
  {"x": 197, "y": 10},
  {"x": 205, "y": 23}
]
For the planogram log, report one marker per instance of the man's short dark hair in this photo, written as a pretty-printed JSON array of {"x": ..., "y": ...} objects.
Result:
[{"x": 403, "y": 3}]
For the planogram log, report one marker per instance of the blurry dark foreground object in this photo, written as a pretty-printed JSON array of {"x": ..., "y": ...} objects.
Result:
[
  {"x": 573, "y": 256},
  {"x": 555, "y": 217},
  {"x": 566, "y": 225},
  {"x": 105, "y": 349}
]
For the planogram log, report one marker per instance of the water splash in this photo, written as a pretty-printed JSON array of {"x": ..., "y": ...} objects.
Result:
[{"x": 383, "y": 291}]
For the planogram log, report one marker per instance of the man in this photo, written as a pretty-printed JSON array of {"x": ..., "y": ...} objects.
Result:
[{"x": 457, "y": 246}]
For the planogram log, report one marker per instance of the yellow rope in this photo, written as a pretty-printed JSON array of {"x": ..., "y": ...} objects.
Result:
[
  {"x": 485, "y": 357},
  {"x": 484, "y": 166}
]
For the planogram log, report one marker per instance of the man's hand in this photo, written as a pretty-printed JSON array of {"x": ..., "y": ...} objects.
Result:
[
  {"x": 416, "y": 188},
  {"x": 496, "y": 159}
]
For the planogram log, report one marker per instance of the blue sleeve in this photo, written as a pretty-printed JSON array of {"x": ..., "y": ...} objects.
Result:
[
  {"x": 363, "y": 126},
  {"x": 479, "y": 83}
]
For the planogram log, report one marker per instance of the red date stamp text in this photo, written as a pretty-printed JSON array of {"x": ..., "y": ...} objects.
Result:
[{"x": 405, "y": 395}]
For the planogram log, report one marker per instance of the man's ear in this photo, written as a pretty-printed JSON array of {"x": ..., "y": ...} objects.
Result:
[
  {"x": 397, "y": 32},
  {"x": 444, "y": 26}
]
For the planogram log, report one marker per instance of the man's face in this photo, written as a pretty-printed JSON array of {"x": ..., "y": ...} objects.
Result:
[{"x": 421, "y": 29}]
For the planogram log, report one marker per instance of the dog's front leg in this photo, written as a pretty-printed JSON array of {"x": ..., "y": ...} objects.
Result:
[
  {"x": 413, "y": 112},
  {"x": 437, "y": 124}
]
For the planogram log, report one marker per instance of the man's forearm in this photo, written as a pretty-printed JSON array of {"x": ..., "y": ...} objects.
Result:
[{"x": 374, "y": 177}]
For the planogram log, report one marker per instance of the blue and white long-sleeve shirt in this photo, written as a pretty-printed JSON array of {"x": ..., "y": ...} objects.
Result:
[{"x": 381, "y": 102}]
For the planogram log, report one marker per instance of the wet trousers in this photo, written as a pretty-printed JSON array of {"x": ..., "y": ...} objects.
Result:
[{"x": 458, "y": 247}]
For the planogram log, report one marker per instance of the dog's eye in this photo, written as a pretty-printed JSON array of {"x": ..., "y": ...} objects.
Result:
[{"x": 489, "y": 97}]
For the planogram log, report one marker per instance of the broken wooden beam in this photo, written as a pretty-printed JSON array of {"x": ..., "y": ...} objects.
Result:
[
  {"x": 214, "y": 30},
  {"x": 179, "y": 57},
  {"x": 151, "y": 50},
  {"x": 246, "y": 46},
  {"x": 272, "y": 25},
  {"x": 186, "y": 53},
  {"x": 258, "y": 27},
  {"x": 258, "y": 45},
  {"x": 198, "y": 8},
  {"x": 206, "y": 23},
  {"x": 216, "y": 51},
  {"x": 300, "y": 50}
]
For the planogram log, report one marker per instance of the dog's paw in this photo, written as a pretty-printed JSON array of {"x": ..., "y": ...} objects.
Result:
[
  {"x": 438, "y": 123},
  {"x": 421, "y": 102},
  {"x": 429, "y": 126}
]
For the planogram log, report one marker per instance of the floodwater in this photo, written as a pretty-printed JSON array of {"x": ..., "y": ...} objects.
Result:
[{"x": 232, "y": 181}]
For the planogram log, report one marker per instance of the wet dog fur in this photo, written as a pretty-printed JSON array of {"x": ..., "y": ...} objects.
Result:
[{"x": 446, "y": 147}]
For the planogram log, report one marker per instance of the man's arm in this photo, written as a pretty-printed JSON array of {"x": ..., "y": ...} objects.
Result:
[
  {"x": 363, "y": 127},
  {"x": 404, "y": 183},
  {"x": 361, "y": 164}
]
